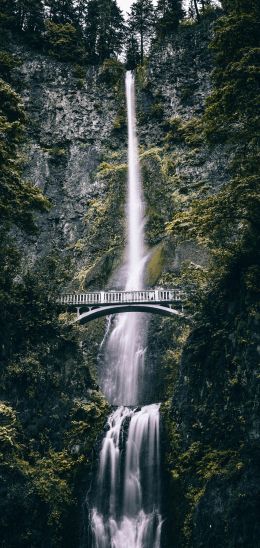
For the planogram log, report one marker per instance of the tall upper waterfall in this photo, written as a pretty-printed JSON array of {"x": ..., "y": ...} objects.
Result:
[
  {"x": 125, "y": 509},
  {"x": 125, "y": 349},
  {"x": 135, "y": 208}
]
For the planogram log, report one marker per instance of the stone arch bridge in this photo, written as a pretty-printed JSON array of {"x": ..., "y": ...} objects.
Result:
[{"x": 89, "y": 306}]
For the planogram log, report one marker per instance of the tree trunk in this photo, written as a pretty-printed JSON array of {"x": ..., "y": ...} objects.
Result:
[
  {"x": 142, "y": 47},
  {"x": 142, "y": 41},
  {"x": 196, "y": 9}
]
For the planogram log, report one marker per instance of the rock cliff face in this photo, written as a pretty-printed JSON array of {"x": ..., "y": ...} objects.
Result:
[
  {"x": 77, "y": 124},
  {"x": 70, "y": 128},
  {"x": 76, "y": 152}
]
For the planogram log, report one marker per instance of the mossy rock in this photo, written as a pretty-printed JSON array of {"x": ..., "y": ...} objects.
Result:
[{"x": 155, "y": 265}]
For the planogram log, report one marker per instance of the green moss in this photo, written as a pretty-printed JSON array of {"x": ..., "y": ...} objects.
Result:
[
  {"x": 192, "y": 468},
  {"x": 56, "y": 152},
  {"x": 157, "y": 111},
  {"x": 155, "y": 265},
  {"x": 79, "y": 72},
  {"x": 120, "y": 121},
  {"x": 19, "y": 198},
  {"x": 105, "y": 224},
  {"x": 170, "y": 364},
  {"x": 8, "y": 429},
  {"x": 142, "y": 76},
  {"x": 111, "y": 72},
  {"x": 190, "y": 132},
  {"x": 7, "y": 63}
]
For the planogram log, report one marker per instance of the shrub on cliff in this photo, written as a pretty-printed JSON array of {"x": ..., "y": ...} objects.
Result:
[
  {"x": 64, "y": 41},
  {"x": 18, "y": 198}
]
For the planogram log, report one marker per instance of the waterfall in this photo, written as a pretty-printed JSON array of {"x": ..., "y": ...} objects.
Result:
[
  {"x": 126, "y": 508},
  {"x": 126, "y": 513},
  {"x": 125, "y": 349}
]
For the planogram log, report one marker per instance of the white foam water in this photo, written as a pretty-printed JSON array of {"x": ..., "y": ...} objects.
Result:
[
  {"x": 126, "y": 509},
  {"x": 128, "y": 487},
  {"x": 125, "y": 347}
]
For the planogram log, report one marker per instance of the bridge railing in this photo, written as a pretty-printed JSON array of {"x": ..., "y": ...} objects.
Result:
[{"x": 103, "y": 298}]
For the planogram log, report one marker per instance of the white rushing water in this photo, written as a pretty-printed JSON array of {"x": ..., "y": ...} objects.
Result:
[
  {"x": 125, "y": 348},
  {"x": 126, "y": 509},
  {"x": 127, "y": 513}
]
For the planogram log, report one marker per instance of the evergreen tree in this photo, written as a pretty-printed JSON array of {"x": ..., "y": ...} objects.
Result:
[
  {"x": 80, "y": 12},
  {"x": 104, "y": 29},
  {"x": 242, "y": 6},
  {"x": 111, "y": 29},
  {"x": 7, "y": 12},
  {"x": 169, "y": 13},
  {"x": 141, "y": 23},
  {"x": 61, "y": 11},
  {"x": 132, "y": 53},
  {"x": 196, "y": 8},
  {"x": 24, "y": 15},
  {"x": 92, "y": 30},
  {"x": 33, "y": 18}
]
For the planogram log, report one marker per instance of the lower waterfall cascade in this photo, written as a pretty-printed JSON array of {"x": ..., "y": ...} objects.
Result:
[{"x": 125, "y": 512}]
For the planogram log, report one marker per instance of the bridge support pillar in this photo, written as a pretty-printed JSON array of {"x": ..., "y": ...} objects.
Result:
[{"x": 78, "y": 311}]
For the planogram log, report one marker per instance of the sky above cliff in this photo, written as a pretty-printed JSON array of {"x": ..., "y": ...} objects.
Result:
[{"x": 126, "y": 4}]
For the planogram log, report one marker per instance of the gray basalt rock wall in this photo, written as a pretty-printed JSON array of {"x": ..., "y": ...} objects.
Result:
[
  {"x": 73, "y": 127},
  {"x": 70, "y": 126},
  {"x": 76, "y": 152}
]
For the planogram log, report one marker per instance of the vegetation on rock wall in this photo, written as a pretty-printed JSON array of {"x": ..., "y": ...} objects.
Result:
[
  {"x": 211, "y": 421},
  {"x": 93, "y": 31},
  {"x": 51, "y": 411}
]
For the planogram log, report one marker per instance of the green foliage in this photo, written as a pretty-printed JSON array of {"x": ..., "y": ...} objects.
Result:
[
  {"x": 120, "y": 121},
  {"x": 241, "y": 6},
  {"x": 169, "y": 14},
  {"x": 79, "y": 71},
  {"x": 23, "y": 16},
  {"x": 104, "y": 30},
  {"x": 132, "y": 52},
  {"x": 212, "y": 409},
  {"x": 157, "y": 195},
  {"x": 8, "y": 429},
  {"x": 45, "y": 455},
  {"x": 18, "y": 198},
  {"x": 64, "y": 41},
  {"x": 111, "y": 72},
  {"x": 105, "y": 225},
  {"x": 232, "y": 108},
  {"x": 141, "y": 24},
  {"x": 157, "y": 111},
  {"x": 227, "y": 222},
  {"x": 190, "y": 132},
  {"x": 155, "y": 265},
  {"x": 7, "y": 63},
  {"x": 193, "y": 469},
  {"x": 69, "y": 31}
]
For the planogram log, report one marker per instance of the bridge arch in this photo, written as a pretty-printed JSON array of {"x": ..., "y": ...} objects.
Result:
[{"x": 95, "y": 313}]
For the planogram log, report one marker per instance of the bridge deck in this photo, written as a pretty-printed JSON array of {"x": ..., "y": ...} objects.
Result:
[{"x": 103, "y": 298}]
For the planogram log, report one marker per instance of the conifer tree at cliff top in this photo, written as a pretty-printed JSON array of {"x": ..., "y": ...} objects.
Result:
[
  {"x": 141, "y": 23},
  {"x": 104, "y": 29},
  {"x": 169, "y": 13}
]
